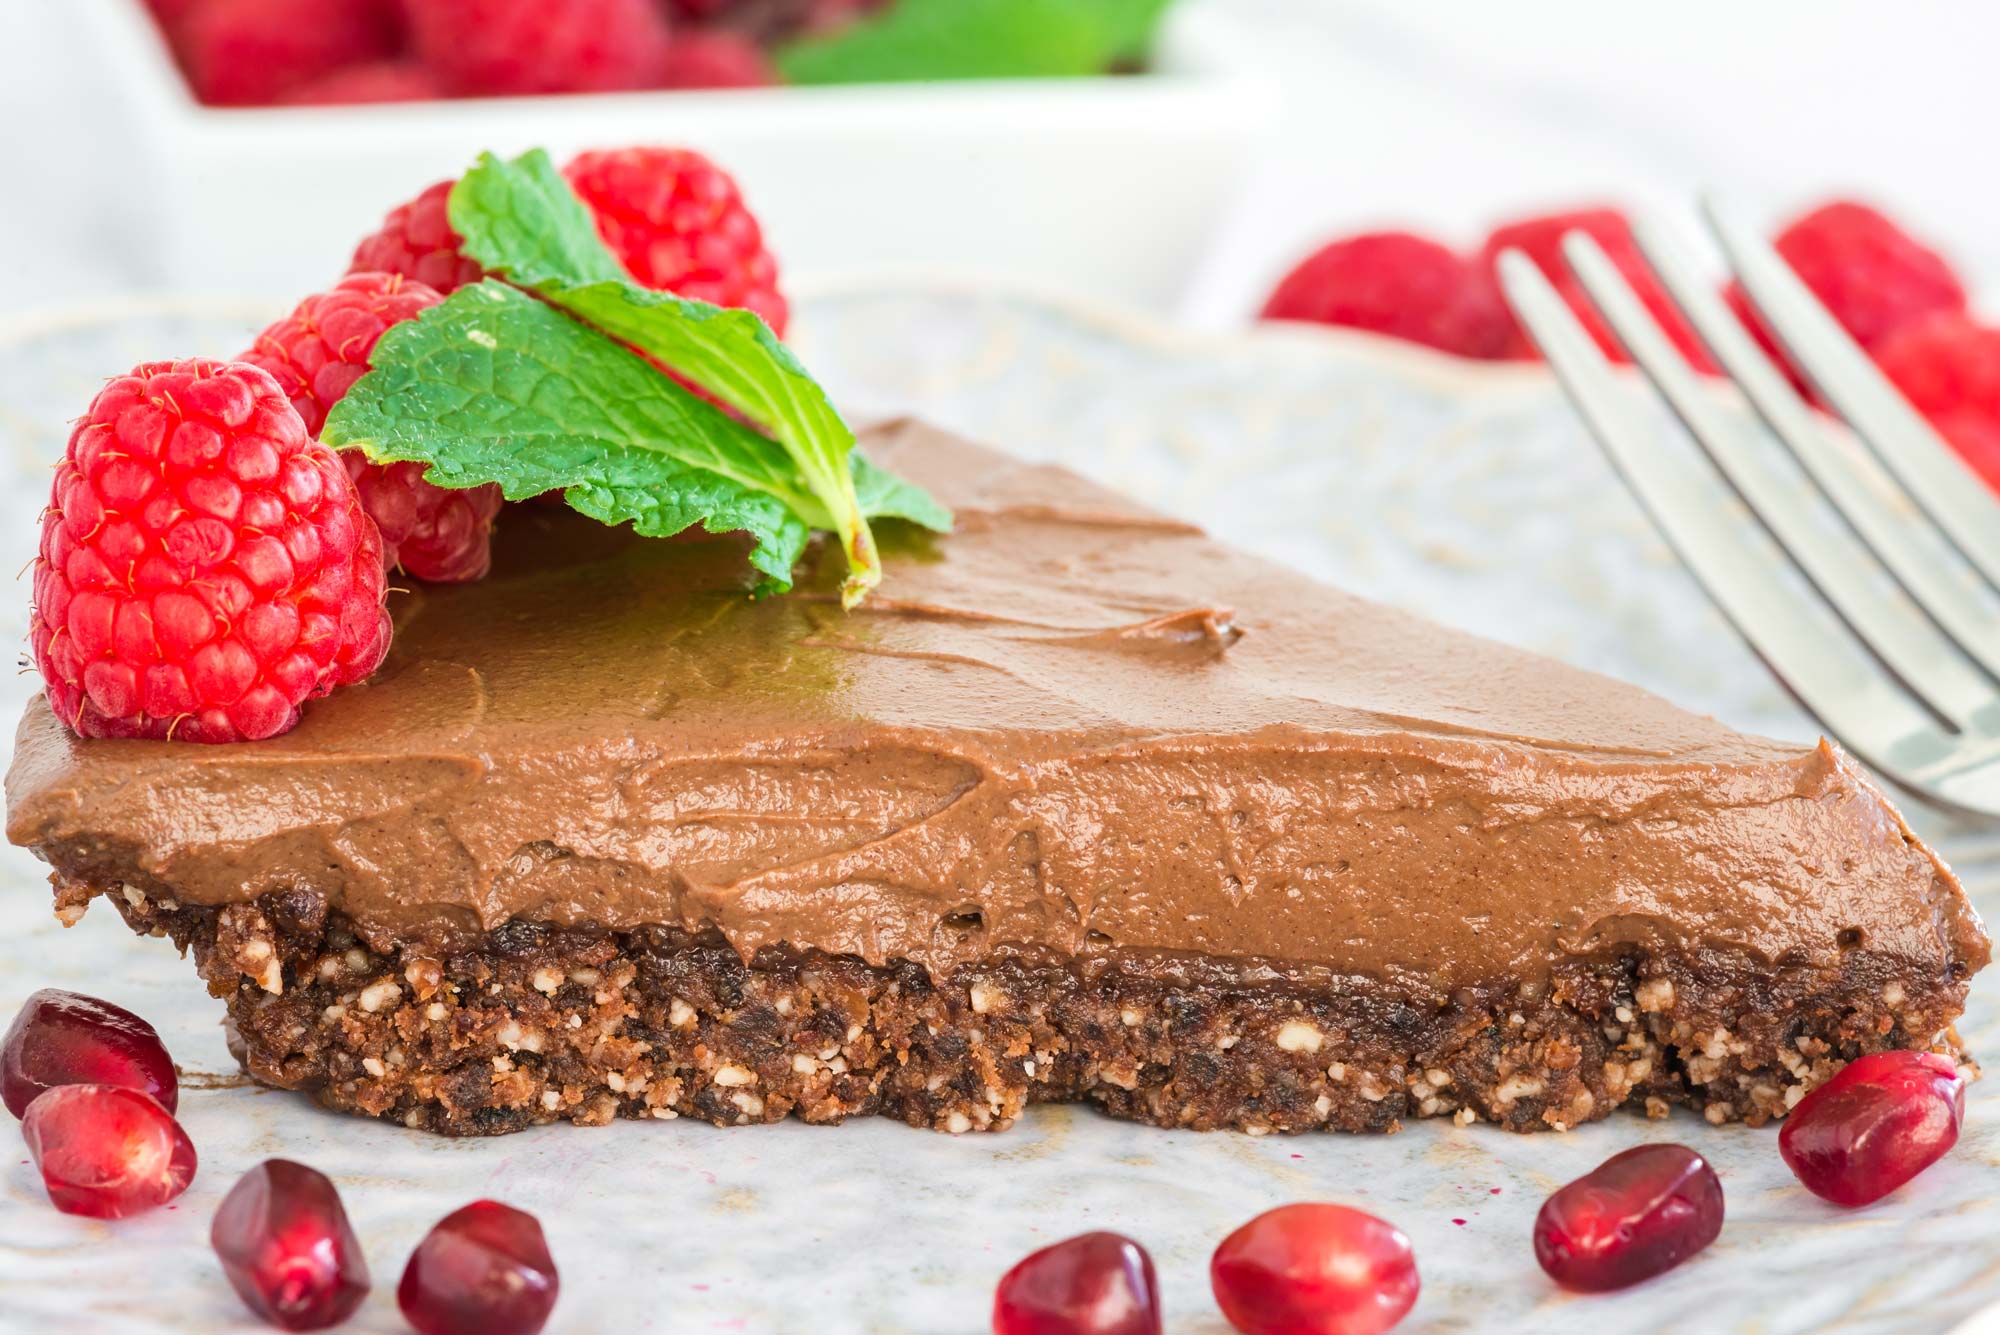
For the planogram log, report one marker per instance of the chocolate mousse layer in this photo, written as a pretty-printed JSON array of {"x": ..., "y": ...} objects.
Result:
[{"x": 1074, "y": 740}]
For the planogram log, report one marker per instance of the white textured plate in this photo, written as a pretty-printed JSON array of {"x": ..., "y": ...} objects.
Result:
[{"x": 1465, "y": 492}]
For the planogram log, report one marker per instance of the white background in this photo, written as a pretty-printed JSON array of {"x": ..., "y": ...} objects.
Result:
[{"x": 1443, "y": 115}]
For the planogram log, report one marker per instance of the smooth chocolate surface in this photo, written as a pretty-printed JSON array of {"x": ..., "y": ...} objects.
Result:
[{"x": 1071, "y": 724}]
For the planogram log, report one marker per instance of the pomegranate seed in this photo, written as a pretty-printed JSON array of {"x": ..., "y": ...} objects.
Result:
[
  {"x": 1882, "y": 1120},
  {"x": 1096, "y": 1284},
  {"x": 66, "y": 1038},
  {"x": 1314, "y": 1270},
  {"x": 482, "y": 1270},
  {"x": 1636, "y": 1215},
  {"x": 287, "y": 1247},
  {"x": 107, "y": 1151}
]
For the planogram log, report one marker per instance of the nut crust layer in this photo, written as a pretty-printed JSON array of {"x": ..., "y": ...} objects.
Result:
[{"x": 542, "y": 1024}]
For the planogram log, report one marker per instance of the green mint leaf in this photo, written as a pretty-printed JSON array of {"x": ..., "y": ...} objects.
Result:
[
  {"x": 977, "y": 39},
  {"x": 523, "y": 209},
  {"x": 519, "y": 219},
  {"x": 495, "y": 386},
  {"x": 883, "y": 495}
]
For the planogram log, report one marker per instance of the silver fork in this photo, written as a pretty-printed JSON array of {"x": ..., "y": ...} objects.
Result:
[{"x": 1895, "y": 644}]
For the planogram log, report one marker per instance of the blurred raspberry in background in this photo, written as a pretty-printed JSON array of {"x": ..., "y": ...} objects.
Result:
[
  {"x": 1399, "y": 284},
  {"x": 1948, "y": 366},
  {"x": 246, "y": 52},
  {"x": 1875, "y": 277},
  {"x": 1899, "y": 299},
  {"x": 497, "y": 48},
  {"x": 341, "y": 52},
  {"x": 370, "y": 81},
  {"x": 1540, "y": 239}
]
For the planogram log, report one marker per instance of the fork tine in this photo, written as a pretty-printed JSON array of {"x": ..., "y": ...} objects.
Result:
[
  {"x": 1933, "y": 473},
  {"x": 1852, "y": 479},
  {"x": 1819, "y": 662},
  {"x": 1906, "y": 641}
]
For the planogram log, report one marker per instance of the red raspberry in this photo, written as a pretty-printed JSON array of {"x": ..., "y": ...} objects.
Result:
[
  {"x": 715, "y": 60},
  {"x": 357, "y": 85},
  {"x": 1948, "y": 367},
  {"x": 674, "y": 219},
  {"x": 434, "y": 533},
  {"x": 1541, "y": 239},
  {"x": 170, "y": 14},
  {"x": 248, "y": 52},
  {"x": 677, "y": 222},
  {"x": 442, "y": 535},
  {"x": 1871, "y": 274},
  {"x": 484, "y": 48},
  {"x": 416, "y": 240},
  {"x": 205, "y": 564},
  {"x": 322, "y": 347},
  {"x": 1399, "y": 284}
]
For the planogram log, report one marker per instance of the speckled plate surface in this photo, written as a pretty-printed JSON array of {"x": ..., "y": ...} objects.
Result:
[{"x": 1465, "y": 492}]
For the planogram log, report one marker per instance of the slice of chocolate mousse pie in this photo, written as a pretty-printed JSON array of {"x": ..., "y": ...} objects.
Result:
[{"x": 1079, "y": 805}]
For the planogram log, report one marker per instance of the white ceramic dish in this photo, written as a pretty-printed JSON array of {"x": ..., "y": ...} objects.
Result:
[
  {"x": 1107, "y": 186},
  {"x": 1465, "y": 491}
]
